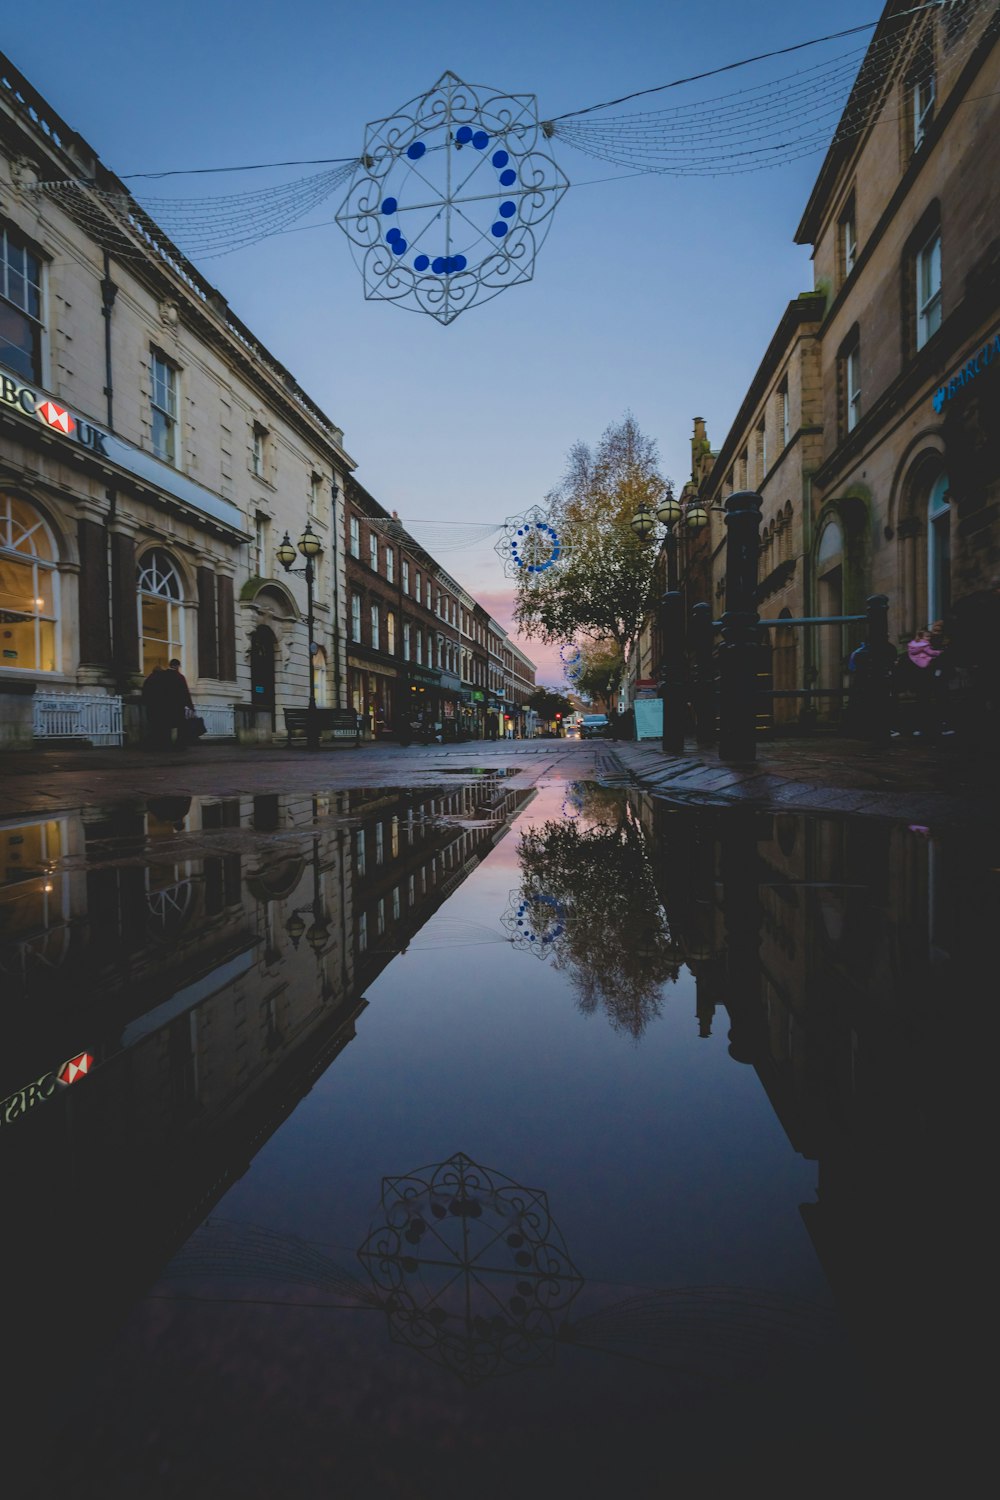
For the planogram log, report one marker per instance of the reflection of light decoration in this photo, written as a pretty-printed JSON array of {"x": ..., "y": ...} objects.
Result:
[
  {"x": 471, "y": 1267},
  {"x": 471, "y": 1271},
  {"x": 451, "y": 200},
  {"x": 573, "y": 801},
  {"x": 572, "y": 659},
  {"x": 529, "y": 545},
  {"x": 534, "y": 922}
]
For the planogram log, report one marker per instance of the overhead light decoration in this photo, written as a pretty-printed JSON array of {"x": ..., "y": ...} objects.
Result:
[{"x": 452, "y": 199}]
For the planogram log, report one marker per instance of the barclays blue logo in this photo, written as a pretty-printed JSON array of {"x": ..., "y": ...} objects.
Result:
[{"x": 972, "y": 367}]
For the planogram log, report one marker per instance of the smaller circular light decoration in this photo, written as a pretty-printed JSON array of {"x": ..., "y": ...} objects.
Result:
[
  {"x": 530, "y": 546},
  {"x": 534, "y": 921}
]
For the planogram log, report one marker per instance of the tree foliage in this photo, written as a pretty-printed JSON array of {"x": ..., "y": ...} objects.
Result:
[
  {"x": 603, "y": 585},
  {"x": 548, "y": 702},
  {"x": 601, "y": 672},
  {"x": 615, "y": 945}
]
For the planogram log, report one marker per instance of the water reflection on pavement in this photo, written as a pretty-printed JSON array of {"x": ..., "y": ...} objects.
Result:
[{"x": 402, "y": 1140}]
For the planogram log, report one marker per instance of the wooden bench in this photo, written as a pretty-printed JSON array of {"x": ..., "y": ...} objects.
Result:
[{"x": 339, "y": 723}]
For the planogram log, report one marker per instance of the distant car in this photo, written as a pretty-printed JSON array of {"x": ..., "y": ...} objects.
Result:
[{"x": 594, "y": 726}]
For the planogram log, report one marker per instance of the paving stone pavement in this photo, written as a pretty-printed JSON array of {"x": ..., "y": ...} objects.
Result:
[{"x": 933, "y": 785}]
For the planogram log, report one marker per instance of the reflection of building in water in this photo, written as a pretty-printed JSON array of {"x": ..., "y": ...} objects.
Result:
[
  {"x": 838, "y": 947},
  {"x": 210, "y": 955},
  {"x": 411, "y": 850}
]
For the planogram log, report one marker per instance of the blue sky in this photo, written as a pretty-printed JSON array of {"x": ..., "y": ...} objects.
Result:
[{"x": 651, "y": 293}]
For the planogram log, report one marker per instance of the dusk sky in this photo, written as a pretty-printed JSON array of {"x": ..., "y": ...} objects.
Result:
[{"x": 652, "y": 293}]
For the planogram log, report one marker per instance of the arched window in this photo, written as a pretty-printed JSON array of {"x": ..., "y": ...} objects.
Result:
[
  {"x": 939, "y": 551},
  {"x": 161, "y": 619},
  {"x": 29, "y": 589}
]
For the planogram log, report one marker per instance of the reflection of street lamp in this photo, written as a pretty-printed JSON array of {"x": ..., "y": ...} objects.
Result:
[
  {"x": 311, "y": 547},
  {"x": 668, "y": 511},
  {"x": 317, "y": 932}
]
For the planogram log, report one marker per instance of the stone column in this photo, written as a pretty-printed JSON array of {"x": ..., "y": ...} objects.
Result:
[
  {"x": 93, "y": 595},
  {"x": 124, "y": 607},
  {"x": 227, "y": 627},
  {"x": 738, "y": 653}
]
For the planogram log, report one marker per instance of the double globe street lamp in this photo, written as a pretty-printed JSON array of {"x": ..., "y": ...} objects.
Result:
[
  {"x": 310, "y": 547},
  {"x": 668, "y": 511}
]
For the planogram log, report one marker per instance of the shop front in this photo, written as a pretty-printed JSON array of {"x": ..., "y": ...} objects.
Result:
[{"x": 372, "y": 692}]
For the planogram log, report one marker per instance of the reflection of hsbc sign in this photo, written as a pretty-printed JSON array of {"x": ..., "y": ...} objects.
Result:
[
  {"x": 51, "y": 414},
  {"x": 18, "y": 1103}
]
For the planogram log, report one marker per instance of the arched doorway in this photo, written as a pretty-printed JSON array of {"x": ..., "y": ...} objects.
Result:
[{"x": 262, "y": 644}]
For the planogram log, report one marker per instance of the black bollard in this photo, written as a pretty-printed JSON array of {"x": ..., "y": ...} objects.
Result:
[
  {"x": 702, "y": 638},
  {"x": 673, "y": 687},
  {"x": 882, "y": 658},
  {"x": 738, "y": 653}
]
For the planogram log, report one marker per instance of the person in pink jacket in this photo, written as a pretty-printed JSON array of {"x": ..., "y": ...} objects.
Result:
[{"x": 923, "y": 655}]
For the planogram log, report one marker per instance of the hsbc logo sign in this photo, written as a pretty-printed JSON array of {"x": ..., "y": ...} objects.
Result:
[
  {"x": 34, "y": 404},
  {"x": 24, "y": 1099}
]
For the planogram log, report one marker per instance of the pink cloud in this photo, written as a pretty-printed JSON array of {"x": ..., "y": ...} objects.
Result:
[{"x": 548, "y": 667}]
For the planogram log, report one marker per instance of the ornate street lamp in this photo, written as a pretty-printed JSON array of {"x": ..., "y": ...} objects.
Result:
[
  {"x": 668, "y": 511},
  {"x": 317, "y": 933},
  {"x": 310, "y": 547}
]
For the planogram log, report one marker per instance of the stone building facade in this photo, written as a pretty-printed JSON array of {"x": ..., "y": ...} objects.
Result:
[
  {"x": 871, "y": 427},
  {"x": 152, "y": 455}
]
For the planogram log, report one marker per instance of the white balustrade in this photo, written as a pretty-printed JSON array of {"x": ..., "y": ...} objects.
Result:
[{"x": 96, "y": 717}]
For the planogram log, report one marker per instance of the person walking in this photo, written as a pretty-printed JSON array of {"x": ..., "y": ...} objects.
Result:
[
  {"x": 922, "y": 654},
  {"x": 167, "y": 699}
]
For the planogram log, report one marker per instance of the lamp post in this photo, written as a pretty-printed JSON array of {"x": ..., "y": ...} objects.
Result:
[
  {"x": 310, "y": 547},
  {"x": 318, "y": 932},
  {"x": 673, "y": 676}
]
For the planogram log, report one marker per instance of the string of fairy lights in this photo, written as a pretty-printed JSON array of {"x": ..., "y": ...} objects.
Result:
[{"x": 746, "y": 130}]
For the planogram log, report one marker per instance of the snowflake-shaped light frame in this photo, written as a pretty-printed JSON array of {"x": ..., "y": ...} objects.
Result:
[
  {"x": 452, "y": 199},
  {"x": 470, "y": 1268}
]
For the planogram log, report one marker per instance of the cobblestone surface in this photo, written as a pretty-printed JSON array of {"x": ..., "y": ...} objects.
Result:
[{"x": 926, "y": 784}]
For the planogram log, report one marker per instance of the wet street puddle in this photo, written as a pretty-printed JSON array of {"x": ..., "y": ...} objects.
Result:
[{"x": 387, "y": 1133}]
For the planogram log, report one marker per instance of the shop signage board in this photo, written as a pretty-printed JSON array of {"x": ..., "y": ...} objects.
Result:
[{"x": 648, "y": 718}]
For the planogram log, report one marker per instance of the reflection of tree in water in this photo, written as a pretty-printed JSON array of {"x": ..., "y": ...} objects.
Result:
[{"x": 615, "y": 945}]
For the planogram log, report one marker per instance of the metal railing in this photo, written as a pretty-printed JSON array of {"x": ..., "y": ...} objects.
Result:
[
  {"x": 220, "y": 720},
  {"x": 96, "y": 717}
]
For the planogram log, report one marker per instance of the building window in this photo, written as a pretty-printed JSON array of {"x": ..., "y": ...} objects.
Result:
[
  {"x": 406, "y": 641},
  {"x": 939, "y": 550},
  {"x": 161, "y": 619},
  {"x": 420, "y": 649},
  {"x": 258, "y": 450},
  {"x": 390, "y": 633},
  {"x": 359, "y": 851},
  {"x": 928, "y": 286},
  {"x": 922, "y": 95},
  {"x": 163, "y": 397},
  {"x": 379, "y": 844},
  {"x": 260, "y": 546},
  {"x": 355, "y": 542},
  {"x": 363, "y": 933},
  {"x": 355, "y": 617},
  {"x": 395, "y": 903},
  {"x": 390, "y": 565},
  {"x": 784, "y": 414},
  {"x": 847, "y": 239},
  {"x": 762, "y": 449},
  {"x": 376, "y": 633},
  {"x": 29, "y": 586},
  {"x": 394, "y": 839},
  {"x": 416, "y": 586},
  {"x": 849, "y": 381},
  {"x": 406, "y": 576},
  {"x": 20, "y": 308},
  {"x": 373, "y": 551},
  {"x": 315, "y": 491},
  {"x": 380, "y": 917}
]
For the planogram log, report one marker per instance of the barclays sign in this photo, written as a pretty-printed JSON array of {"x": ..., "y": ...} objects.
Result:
[{"x": 973, "y": 367}]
